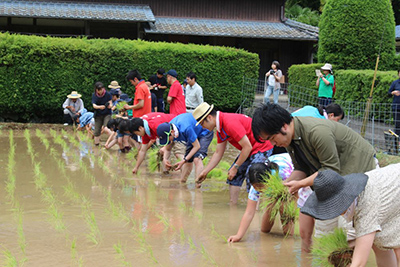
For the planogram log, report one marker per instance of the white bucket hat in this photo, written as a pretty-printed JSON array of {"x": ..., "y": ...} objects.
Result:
[{"x": 327, "y": 66}]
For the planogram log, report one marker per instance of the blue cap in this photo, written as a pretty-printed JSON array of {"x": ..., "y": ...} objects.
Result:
[
  {"x": 115, "y": 91},
  {"x": 125, "y": 97},
  {"x": 163, "y": 132},
  {"x": 173, "y": 73}
]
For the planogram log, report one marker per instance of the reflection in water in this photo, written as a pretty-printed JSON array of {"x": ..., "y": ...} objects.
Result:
[{"x": 153, "y": 218}]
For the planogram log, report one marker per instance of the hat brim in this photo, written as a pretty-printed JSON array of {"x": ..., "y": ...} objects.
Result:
[
  {"x": 74, "y": 97},
  {"x": 202, "y": 117},
  {"x": 322, "y": 68},
  {"x": 333, "y": 207},
  {"x": 114, "y": 87}
]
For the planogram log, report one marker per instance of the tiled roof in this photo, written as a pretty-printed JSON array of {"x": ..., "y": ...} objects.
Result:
[
  {"x": 397, "y": 32},
  {"x": 73, "y": 10},
  {"x": 289, "y": 30}
]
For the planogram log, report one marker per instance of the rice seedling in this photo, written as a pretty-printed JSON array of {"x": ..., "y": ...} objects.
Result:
[
  {"x": 74, "y": 254},
  {"x": 224, "y": 165},
  {"x": 217, "y": 174},
  {"x": 120, "y": 105},
  {"x": 120, "y": 254},
  {"x": 94, "y": 236},
  {"x": 164, "y": 220},
  {"x": 207, "y": 255},
  {"x": 9, "y": 259},
  {"x": 191, "y": 243},
  {"x": 153, "y": 160},
  {"x": 216, "y": 234},
  {"x": 277, "y": 195},
  {"x": 332, "y": 249},
  {"x": 43, "y": 139}
]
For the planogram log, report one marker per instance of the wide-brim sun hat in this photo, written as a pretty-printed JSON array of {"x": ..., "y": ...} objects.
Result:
[
  {"x": 114, "y": 85},
  {"x": 202, "y": 111},
  {"x": 327, "y": 66},
  {"x": 74, "y": 95},
  {"x": 333, "y": 194},
  {"x": 125, "y": 97},
  {"x": 163, "y": 133}
]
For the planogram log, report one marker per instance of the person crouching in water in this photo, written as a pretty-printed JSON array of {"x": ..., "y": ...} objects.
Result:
[{"x": 281, "y": 163}]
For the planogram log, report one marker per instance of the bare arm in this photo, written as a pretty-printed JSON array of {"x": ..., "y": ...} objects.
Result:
[
  {"x": 213, "y": 162},
  {"x": 362, "y": 250},
  {"x": 294, "y": 186},
  {"x": 169, "y": 99},
  {"x": 245, "y": 222},
  {"x": 139, "y": 105},
  {"x": 141, "y": 156},
  {"x": 195, "y": 148}
]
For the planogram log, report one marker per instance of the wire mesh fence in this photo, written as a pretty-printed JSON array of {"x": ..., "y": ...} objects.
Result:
[{"x": 379, "y": 124}]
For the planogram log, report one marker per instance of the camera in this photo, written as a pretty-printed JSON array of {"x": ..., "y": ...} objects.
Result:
[{"x": 271, "y": 71}]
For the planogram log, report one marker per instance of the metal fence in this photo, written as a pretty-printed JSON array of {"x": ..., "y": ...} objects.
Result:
[{"x": 293, "y": 97}]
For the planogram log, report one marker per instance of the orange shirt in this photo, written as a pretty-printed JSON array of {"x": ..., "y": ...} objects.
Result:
[{"x": 142, "y": 92}]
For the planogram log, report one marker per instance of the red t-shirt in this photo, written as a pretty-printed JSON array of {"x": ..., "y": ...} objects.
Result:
[
  {"x": 233, "y": 127},
  {"x": 154, "y": 119},
  {"x": 142, "y": 92},
  {"x": 177, "y": 105}
]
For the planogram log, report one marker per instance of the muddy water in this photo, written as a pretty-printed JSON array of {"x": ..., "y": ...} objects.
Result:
[{"x": 91, "y": 211}]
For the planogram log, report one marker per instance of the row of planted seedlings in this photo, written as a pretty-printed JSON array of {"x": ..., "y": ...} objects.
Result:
[
  {"x": 55, "y": 203},
  {"x": 94, "y": 235},
  {"x": 115, "y": 209},
  {"x": 127, "y": 165},
  {"x": 47, "y": 194},
  {"x": 10, "y": 259}
]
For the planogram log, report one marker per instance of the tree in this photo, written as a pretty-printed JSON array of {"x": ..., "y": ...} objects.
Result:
[
  {"x": 352, "y": 32},
  {"x": 304, "y": 15}
]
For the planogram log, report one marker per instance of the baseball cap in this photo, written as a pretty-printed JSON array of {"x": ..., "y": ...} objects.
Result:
[
  {"x": 173, "y": 73},
  {"x": 163, "y": 132}
]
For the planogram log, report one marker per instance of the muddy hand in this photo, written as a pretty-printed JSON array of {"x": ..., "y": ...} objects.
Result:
[
  {"x": 167, "y": 164},
  {"x": 233, "y": 239},
  {"x": 201, "y": 178},
  {"x": 231, "y": 173},
  {"x": 179, "y": 165}
]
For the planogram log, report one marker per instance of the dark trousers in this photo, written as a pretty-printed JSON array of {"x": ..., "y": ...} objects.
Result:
[
  {"x": 160, "y": 104},
  {"x": 324, "y": 101},
  {"x": 396, "y": 120}
]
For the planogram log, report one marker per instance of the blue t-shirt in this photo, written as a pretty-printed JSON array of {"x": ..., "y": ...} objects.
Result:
[
  {"x": 308, "y": 111},
  {"x": 188, "y": 131},
  {"x": 85, "y": 119},
  {"x": 102, "y": 101}
]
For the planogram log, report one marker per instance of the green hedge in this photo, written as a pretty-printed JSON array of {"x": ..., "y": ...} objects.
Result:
[
  {"x": 37, "y": 73},
  {"x": 353, "y": 32}
]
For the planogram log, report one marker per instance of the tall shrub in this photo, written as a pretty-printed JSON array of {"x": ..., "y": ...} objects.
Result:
[
  {"x": 37, "y": 73},
  {"x": 350, "y": 34}
]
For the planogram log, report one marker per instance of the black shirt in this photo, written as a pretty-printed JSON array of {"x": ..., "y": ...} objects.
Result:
[
  {"x": 396, "y": 99},
  {"x": 101, "y": 101},
  {"x": 159, "y": 81}
]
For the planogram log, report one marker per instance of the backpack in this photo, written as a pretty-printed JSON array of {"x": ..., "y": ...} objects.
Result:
[{"x": 334, "y": 89}]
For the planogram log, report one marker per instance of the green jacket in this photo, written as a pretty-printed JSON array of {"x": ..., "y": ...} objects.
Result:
[{"x": 330, "y": 145}]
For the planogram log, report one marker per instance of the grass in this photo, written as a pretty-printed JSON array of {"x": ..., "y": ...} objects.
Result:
[
  {"x": 328, "y": 245},
  {"x": 385, "y": 159}
]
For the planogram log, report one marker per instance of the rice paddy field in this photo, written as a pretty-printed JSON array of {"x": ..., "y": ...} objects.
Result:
[{"x": 64, "y": 202}]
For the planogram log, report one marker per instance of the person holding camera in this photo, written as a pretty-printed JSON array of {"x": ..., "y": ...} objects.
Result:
[
  {"x": 158, "y": 84},
  {"x": 273, "y": 86},
  {"x": 101, "y": 100},
  {"x": 325, "y": 83}
]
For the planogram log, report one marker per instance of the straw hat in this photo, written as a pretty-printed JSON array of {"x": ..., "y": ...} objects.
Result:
[
  {"x": 114, "y": 85},
  {"x": 201, "y": 112},
  {"x": 74, "y": 95},
  {"x": 333, "y": 194},
  {"x": 327, "y": 66}
]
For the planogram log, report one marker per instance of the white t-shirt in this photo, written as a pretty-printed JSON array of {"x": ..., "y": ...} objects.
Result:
[{"x": 272, "y": 81}]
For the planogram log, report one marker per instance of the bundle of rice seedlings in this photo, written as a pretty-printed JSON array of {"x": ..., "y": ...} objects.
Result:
[
  {"x": 276, "y": 195},
  {"x": 332, "y": 249},
  {"x": 120, "y": 105},
  {"x": 217, "y": 174}
]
